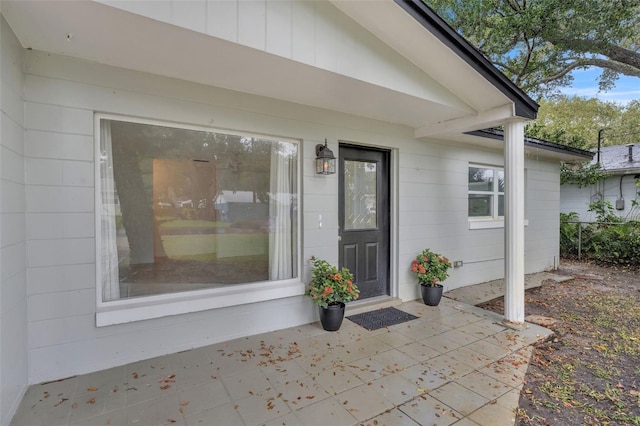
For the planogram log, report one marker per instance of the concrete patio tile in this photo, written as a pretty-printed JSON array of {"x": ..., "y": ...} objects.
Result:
[
  {"x": 393, "y": 339},
  {"x": 91, "y": 402},
  {"x": 422, "y": 330},
  {"x": 494, "y": 415},
  {"x": 448, "y": 366},
  {"x": 396, "y": 389},
  {"x": 203, "y": 397},
  {"x": 470, "y": 357},
  {"x": 367, "y": 369},
  {"x": 314, "y": 362},
  {"x": 394, "y": 417},
  {"x": 282, "y": 372},
  {"x": 460, "y": 336},
  {"x": 148, "y": 367},
  {"x": 150, "y": 387},
  {"x": 424, "y": 378},
  {"x": 116, "y": 417},
  {"x": 478, "y": 329},
  {"x": 326, "y": 412},
  {"x": 494, "y": 352},
  {"x": 459, "y": 318},
  {"x": 454, "y": 360},
  {"x": 484, "y": 385},
  {"x": 241, "y": 384},
  {"x": 440, "y": 343},
  {"x": 337, "y": 380},
  {"x": 511, "y": 399},
  {"x": 369, "y": 346},
  {"x": 159, "y": 411},
  {"x": 261, "y": 407},
  {"x": 426, "y": 410},
  {"x": 302, "y": 392},
  {"x": 419, "y": 351},
  {"x": 364, "y": 401},
  {"x": 223, "y": 415},
  {"x": 467, "y": 422},
  {"x": 459, "y": 398},
  {"x": 394, "y": 361}
]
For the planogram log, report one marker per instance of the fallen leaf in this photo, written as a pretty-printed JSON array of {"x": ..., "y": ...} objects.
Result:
[
  {"x": 167, "y": 386},
  {"x": 92, "y": 389},
  {"x": 91, "y": 401},
  {"x": 74, "y": 405},
  {"x": 171, "y": 420},
  {"x": 184, "y": 403}
]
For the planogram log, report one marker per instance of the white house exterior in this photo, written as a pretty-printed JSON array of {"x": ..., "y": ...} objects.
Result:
[
  {"x": 622, "y": 164},
  {"x": 382, "y": 78}
]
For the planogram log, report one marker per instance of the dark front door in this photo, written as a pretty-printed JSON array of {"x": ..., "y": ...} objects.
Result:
[{"x": 364, "y": 217}]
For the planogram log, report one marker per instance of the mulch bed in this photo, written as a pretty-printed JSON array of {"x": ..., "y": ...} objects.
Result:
[{"x": 588, "y": 372}]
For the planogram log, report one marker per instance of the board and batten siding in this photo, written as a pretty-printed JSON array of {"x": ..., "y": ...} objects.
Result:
[
  {"x": 429, "y": 208},
  {"x": 13, "y": 277},
  {"x": 315, "y": 33}
]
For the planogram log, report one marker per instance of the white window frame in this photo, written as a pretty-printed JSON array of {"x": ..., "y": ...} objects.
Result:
[
  {"x": 163, "y": 305},
  {"x": 486, "y": 222},
  {"x": 490, "y": 222}
]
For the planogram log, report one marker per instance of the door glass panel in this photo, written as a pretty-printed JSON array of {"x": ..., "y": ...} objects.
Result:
[{"x": 360, "y": 203}]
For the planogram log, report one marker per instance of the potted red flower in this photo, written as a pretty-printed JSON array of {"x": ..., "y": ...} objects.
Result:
[
  {"x": 431, "y": 269},
  {"x": 330, "y": 289}
]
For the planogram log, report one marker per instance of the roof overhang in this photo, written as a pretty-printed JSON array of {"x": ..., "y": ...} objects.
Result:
[{"x": 96, "y": 32}]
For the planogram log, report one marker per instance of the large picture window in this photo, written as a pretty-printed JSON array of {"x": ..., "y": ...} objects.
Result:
[
  {"x": 486, "y": 192},
  {"x": 189, "y": 209}
]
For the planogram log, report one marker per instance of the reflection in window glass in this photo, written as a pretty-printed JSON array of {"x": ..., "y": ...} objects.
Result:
[
  {"x": 360, "y": 186},
  {"x": 190, "y": 209},
  {"x": 486, "y": 196}
]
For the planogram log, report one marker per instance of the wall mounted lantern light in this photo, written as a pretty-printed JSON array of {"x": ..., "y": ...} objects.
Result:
[{"x": 325, "y": 160}]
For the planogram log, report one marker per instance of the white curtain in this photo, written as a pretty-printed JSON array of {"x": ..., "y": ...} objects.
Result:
[
  {"x": 282, "y": 212},
  {"x": 110, "y": 278}
]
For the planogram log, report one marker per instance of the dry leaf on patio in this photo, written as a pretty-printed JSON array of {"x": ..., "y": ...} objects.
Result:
[
  {"x": 91, "y": 401},
  {"x": 92, "y": 389}
]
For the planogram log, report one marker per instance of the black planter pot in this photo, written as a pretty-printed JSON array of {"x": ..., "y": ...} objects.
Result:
[
  {"x": 431, "y": 294},
  {"x": 331, "y": 317}
]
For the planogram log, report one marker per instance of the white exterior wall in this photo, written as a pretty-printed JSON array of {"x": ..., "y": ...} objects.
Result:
[
  {"x": 13, "y": 294},
  {"x": 574, "y": 199},
  {"x": 315, "y": 33},
  {"x": 429, "y": 189}
]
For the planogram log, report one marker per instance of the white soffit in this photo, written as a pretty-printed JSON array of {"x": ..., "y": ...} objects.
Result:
[
  {"x": 395, "y": 27},
  {"x": 99, "y": 33}
]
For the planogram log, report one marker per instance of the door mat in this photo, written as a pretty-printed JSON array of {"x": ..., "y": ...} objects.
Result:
[{"x": 380, "y": 318}]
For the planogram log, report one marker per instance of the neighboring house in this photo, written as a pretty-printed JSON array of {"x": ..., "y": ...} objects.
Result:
[
  {"x": 121, "y": 120},
  {"x": 622, "y": 163}
]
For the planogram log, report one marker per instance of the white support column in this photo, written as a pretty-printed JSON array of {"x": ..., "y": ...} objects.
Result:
[{"x": 514, "y": 223}]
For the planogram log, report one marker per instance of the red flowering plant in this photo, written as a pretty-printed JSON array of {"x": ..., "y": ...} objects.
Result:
[
  {"x": 329, "y": 285},
  {"x": 431, "y": 268}
]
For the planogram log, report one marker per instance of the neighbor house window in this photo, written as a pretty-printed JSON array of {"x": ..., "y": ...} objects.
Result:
[
  {"x": 486, "y": 192},
  {"x": 187, "y": 209}
]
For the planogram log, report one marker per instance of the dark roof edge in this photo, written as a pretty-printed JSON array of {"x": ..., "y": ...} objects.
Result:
[
  {"x": 428, "y": 18},
  {"x": 537, "y": 143}
]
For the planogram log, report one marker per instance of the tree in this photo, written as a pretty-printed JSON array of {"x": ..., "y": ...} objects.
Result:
[
  {"x": 537, "y": 43},
  {"x": 576, "y": 121}
]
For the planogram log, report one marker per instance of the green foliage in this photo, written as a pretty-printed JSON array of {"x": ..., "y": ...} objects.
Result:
[
  {"x": 610, "y": 239},
  {"x": 329, "y": 285},
  {"x": 581, "y": 175},
  {"x": 576, "y": 122},
  {"x": 537, "y": 43},
  {"x": 430, "y": 268}
]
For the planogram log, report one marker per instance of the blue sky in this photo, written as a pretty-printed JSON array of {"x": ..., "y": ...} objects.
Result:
[{"x": 585, "y": 85}]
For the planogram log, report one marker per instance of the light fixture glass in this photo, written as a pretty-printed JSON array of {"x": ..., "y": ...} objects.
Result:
[{"x": 325, "y": 160}]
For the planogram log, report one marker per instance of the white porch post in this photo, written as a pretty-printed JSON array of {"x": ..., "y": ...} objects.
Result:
[{"x": 514, "y": 223}]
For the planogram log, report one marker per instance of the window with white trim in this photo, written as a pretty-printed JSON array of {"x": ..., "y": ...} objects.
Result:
[
  {"x": 486, "y": 192},
  {"x": 185, "y": 208}
]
